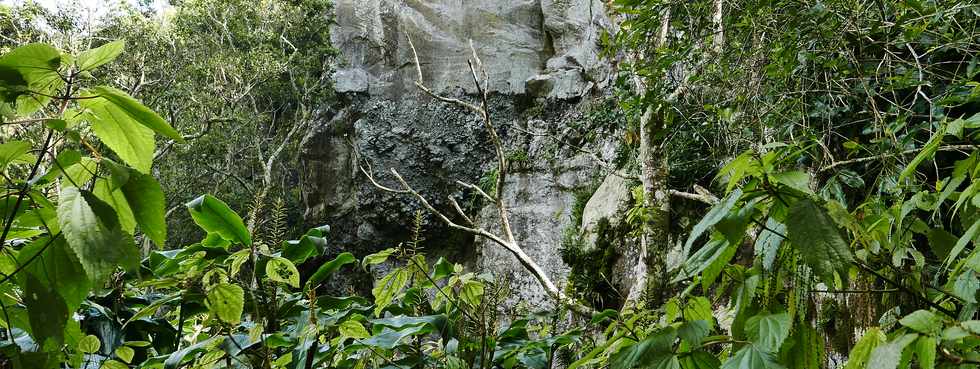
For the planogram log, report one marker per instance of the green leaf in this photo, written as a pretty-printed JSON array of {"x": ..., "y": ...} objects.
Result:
[
  {"x": 694, "y": 331},
  {"x": 353, "y": 329},
  {"x": 717, "y": 250},
  {"x": 887, "y": 356},
  {"x": 385, "y": 289},
  {"x": 925, "y": 351},
  {"x": 92, "y": 230},
  {"x": 927, "y": 152},
  {"x": 472, "y": 292},
  {"x": 113, "y": 364},
  {"x": 214, "y": 215},
  {"x": 768, "y": 331},
  {"x": 378, "y": 257},
  {"x": 817, "y": 239},
  {"x": 861, "y": 352},
  {"x": 46, "y": 311},
  {"x": 93, "y": 58},
  {"x": 81, "y": 172},
  {"x": 328, "y": 268},
  {"x": 965, "y": 286},
  {"x": 125, "y": 353},
  {"x": 227, "y": 301},
  {"x": 715, "y": 215},
  {"x": 282, "y": 270},
  {"x": 58, "y": 267},
  {"x": 146, "y": 199},
  {"x": 89, "y": 344},
  {"x": 699, "y": 308},
  {"x": 653, "y": 352},
  {"x": 117, "y": 200},
  {"x": 806, "y": 350},
  {"x": 136, "y": 111},
  {"x": 797, "y": 179},
  {"x": 130, "y": 140},
  {"x": 37, "y": 65},
  {"x": 923, "y": 321},
  {"x": 964, "y": 240},
  {"x": 768, "y": 243},
  {"x": 700, "y": 360},
  {"x": 751, "y": 357},
  {"x": 941, "y": 242},
  {"x": 11, "y": 151}
]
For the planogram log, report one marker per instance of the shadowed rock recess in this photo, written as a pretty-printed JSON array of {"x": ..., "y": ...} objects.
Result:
[{"x": 544, "y": 69}]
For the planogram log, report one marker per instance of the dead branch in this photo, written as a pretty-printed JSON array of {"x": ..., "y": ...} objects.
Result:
[{"x": 506, "y": 240}]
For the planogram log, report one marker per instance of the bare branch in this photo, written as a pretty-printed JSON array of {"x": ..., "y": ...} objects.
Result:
[{"x": 477, "y": 189}]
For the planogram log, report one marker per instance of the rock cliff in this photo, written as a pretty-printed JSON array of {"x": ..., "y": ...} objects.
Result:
[{"x": 542, "y": 57}]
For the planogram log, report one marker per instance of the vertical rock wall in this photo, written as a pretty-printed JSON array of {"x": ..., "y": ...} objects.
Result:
[{"x": 541, "y": 56}]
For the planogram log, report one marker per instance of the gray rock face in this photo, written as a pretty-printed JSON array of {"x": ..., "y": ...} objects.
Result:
[
  {"x": 515, "y": 39},
  {"x": 538, "y": 54}
]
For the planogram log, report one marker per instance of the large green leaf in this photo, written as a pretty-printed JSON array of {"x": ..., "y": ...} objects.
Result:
[
  {"x": 136, "y": 111},
  {"x": 715, "y": 215},
  {"x": 214, "y": 215},
  {"x": 227, "y": 301},
  {"x": 52, "y": 262},
  {"x": 46, "y": 310},
  {"x": 385, "y": 290},
  {"x": 653, "y": 352},
  {"x": 93, "y": 58},
  {"x": 923, "y": 321},
  {"x": 817, "y": 239},
  {"x": 768, "y": 242},
  {"x": 282, "y": 270},
  {"x": 861, "y": 352},
  {"x": 768, "y": 331},
  {"x": 328, "y": 268},
  {"x": 11, "y": 151},
  {"x": 38, "y": 66},
  {"x": 92, "y": 230},
  {"x": 146, "y": 199},
  {"x": 115, "y": 198},
  {"x": 132, "y": 141},
  {"x": 888, "y": 356},
  {"x": 751, "y": 357}
]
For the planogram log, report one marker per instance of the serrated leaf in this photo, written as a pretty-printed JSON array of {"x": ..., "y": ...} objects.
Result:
[
  {"x": 923, "y": 321},
  {"x": 282, "y": 270},
  {"x": 148, "y": 204},
  {"x": 131, "y": 141},
  {"x": 768, "y": 331},
  {"x": 694, "y": 331},
  {"x": 136, "y": 111},
  {"x": 385, "y": 289},
  {"x": 37, "y": 65},
  {"x": 817, "y": 239},
  {"x": 768, "y": 243},
  {"x": 887, "y": 356},
  {"x": 93, "y": 58},
  {"x": 117, "y": 200},
  {"x": 92, "y": 230},
  {"x": 227, "y": 301},
  {"x": 653, "y": 352},
  {"x": 214, "y": 215},
  {"x": 751, "y": 357}
]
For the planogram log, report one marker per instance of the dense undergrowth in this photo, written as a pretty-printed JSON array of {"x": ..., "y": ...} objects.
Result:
[{"x": 844, "y": 232}]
